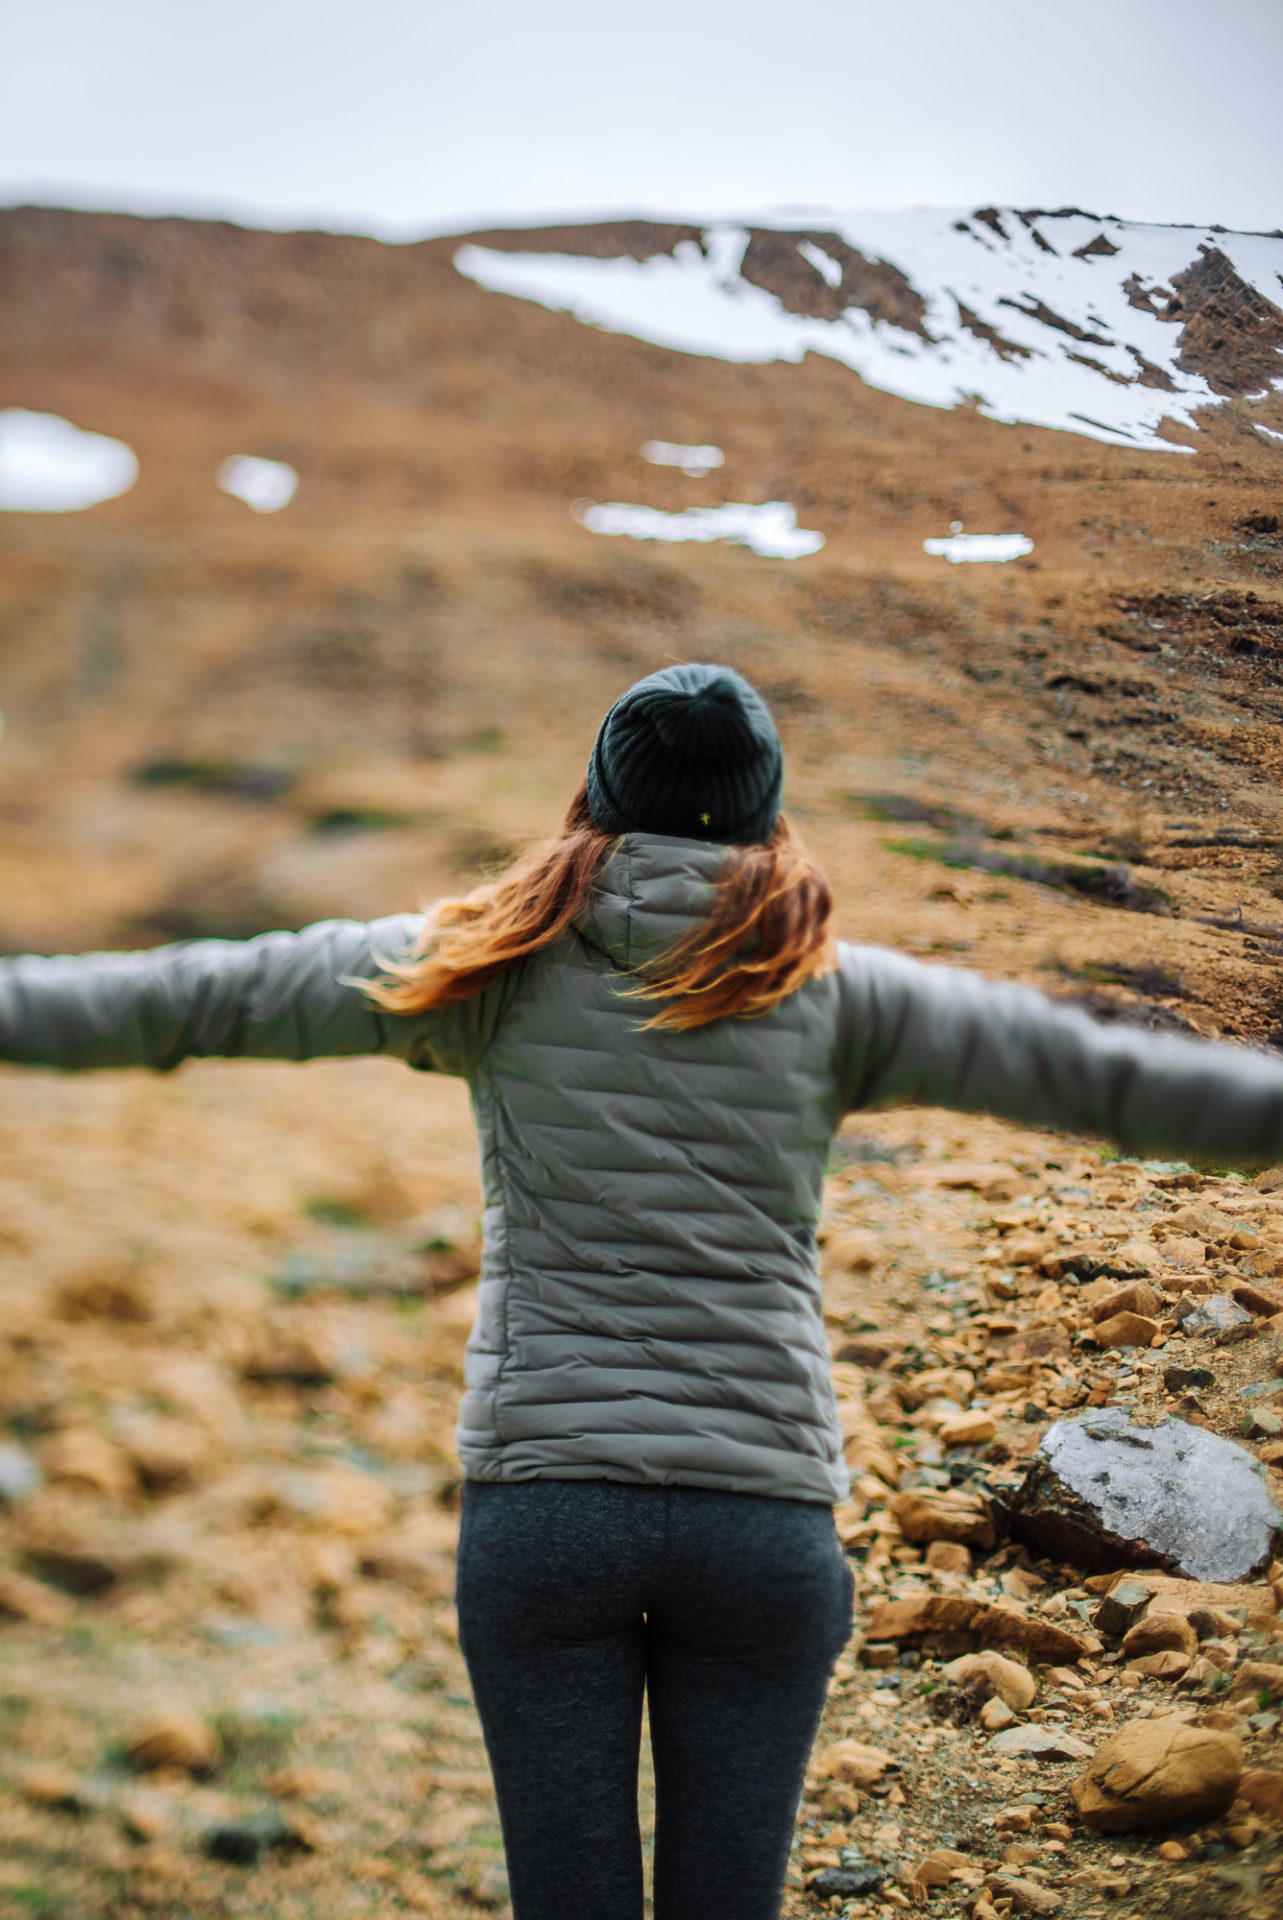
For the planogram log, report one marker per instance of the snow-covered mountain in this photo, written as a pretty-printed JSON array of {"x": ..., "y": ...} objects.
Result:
[{"x": 1099, "y": 326}]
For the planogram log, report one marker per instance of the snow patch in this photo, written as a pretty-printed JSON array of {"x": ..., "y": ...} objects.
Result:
[
  {"x": 695, "y": 461},
  {"x": 770, "y": 529},
  {"x": 264, "y": 485},
  {"x": 980, "y": 546},
  {"x": 1269, "y": 432},
  {"x": 1053, "y": 320},
  {"x": 47, "y": 465},
  {"x": 829, "y": 269}
]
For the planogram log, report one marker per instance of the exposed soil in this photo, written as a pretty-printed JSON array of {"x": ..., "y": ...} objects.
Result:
[{"x": 1062, "y": 771}]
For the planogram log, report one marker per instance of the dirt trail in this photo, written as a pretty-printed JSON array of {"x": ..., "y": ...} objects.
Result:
[{"x": 233, "y": 1302}]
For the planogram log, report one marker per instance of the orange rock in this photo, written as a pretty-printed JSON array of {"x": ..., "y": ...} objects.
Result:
[
  {"x": 1153, "y": 1773},
  {"x": 854, "y": 1249},
  {"x": 1125, "y": 1330},
  {"x": 51, "y": 1785},
  {"x": 80, "y": 1457},
  {"x": 948, "y": 1556},
  {"x": 852, "y": 1761},
  {"x": 105, "y": 1289},
  {"x": 945, "y": 1514},
  {"x": 1258, "y": 1680},
  {"x": 1168, "y": 1665},
  {"x": 24, "y": 1599},
  {"x": 1258, "y": 1299},
  {"x": 1135, "y": 1297},
  {"x": 1262, "y": 1788},
  {"x": 955, "y": 1617},
  {"x": 966, "y": 1429},
  {"x": 991, "y": 1675},
  {"x": 1157, "y": 1632},
  {"x": 174, "y": 1739}
]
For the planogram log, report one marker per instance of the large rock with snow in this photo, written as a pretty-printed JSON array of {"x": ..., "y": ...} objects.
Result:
[{"x": 1102, "y": 1493}]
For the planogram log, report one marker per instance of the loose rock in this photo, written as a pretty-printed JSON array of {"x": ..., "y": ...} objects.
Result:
[
  {"x": 1159, "y": 1633},
  {"x": 989, "y": 1675},
  {"x": 1219, "y": 1314},
  {"x": 927, "y": 1514},
  {"x": 1153, "y": 1773},
  {"x": 174, "y": 1740},
  {"x": 1126, "y": 1330},
  {"x": 954, "y": 1618},
  {"x": 25, "y": 1599},
  {"x": 1040, "y": 1743},
  {"x": 1103, "y": 1493}
]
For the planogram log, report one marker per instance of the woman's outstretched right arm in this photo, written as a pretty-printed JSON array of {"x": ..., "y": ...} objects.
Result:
[{"x": 281, "y": 996}]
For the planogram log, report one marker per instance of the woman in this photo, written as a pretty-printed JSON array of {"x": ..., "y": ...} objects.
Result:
[{"x": 660, "y": 1036}]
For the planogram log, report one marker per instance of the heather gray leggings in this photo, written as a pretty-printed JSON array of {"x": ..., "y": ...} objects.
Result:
[{"x": 727, "y": 1609}]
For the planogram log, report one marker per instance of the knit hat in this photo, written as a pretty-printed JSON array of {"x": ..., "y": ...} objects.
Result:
[{"x": 690, "y": 751}]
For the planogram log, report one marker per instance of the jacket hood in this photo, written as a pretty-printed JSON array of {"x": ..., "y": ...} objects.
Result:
[{"x": 651, "y": 890}]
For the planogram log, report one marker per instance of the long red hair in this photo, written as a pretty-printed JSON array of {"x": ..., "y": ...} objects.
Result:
[{"x": 766, "y": 933}]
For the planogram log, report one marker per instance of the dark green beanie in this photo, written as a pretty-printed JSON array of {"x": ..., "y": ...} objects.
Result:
[{"x": 690, "y": 751}]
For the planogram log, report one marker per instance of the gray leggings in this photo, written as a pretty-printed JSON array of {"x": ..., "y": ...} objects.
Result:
[{"x": 727, "y": 1609}]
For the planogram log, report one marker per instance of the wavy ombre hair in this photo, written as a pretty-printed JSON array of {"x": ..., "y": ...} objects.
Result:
[{"x": 766, "y": 933}]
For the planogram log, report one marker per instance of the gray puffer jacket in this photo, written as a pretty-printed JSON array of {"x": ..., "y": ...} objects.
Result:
[{"x": 649, "y": 1305}]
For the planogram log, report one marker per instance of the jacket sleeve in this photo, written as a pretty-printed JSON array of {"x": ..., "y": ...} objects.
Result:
[
  {"x": 936, "y": 1036},
  {"x": 282, "y": 996}
]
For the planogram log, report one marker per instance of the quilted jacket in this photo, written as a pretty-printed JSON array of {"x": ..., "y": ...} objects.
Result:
[{"x": 649, "y": 1304}]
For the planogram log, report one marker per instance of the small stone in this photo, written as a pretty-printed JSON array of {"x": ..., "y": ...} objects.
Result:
[
  {"x": 1126, "y": 1330},
  {"x": 1135, "y": 1298},
  {"x": 1014, "y": 1819},
  {"x": 1026, "y": 1896},
  {"x": 1157, "y": 1633},
  {"x": 866, "y": 1351},
  {"x": 948, "y": 1556},
  {"x": 936, "y": 1870},
  {"x": 1262, "y": 1788},
  {"x": 855, "y": 1249},
  {"x": 1172, "y": 1850},
  {"x": 1219, "y": 1314},
  {"x": 244, "y": 1841},
  {"x": 849, "y": 1882},
  {"x": 105, "y": 1290},
  {"x": 852, "y": 1761},
  {"x": 1260, "y": 1681},
  {"x": 966, "y": 1429},
  {"x": 146, "y": 1816},
  {"x": 174, "y": 1740},
  {"x": 1153, "y": 1773},
  {"x": 995, "y": 1715},
  {"x": 1168, "y": 1665},
  {"x": 303, "y": 1783},
  {"x": 291, "y": 1358},
  {"x": 1261, "y": 1424},
  {"x": 19, "y": 1474},
  {"x": 1103, "y": 1493},
  {"x": 79, "y": 1457},
  {"x": 25, "y": 1599},
  {"x": 1188, "y": 1379},
  {"x": 167, "y": 1453},
  {"x": 1122, "y": 1606},
  {"x": 929, "y": 1514},
  {"x": 1258, "y": 1299},
  {"x": 51, "y": 1785},
  {"x": 880, "y": 1655},
  {"x": 992, "y": 1676},
  {"x": 1040, "y": 1743}
]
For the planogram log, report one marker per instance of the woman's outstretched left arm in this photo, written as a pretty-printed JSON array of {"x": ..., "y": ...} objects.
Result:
[
  {"x": 938, "y": 1036},
  {"x": 281, "y": 996}
]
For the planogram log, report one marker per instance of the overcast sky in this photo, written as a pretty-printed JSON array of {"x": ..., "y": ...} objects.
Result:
[{"x": 406, "y": 117}]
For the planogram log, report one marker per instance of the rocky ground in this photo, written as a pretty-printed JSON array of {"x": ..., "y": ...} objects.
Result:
[
  {"x": 228, "y": 1669},
  {"x": 233, "y": 1301}
]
